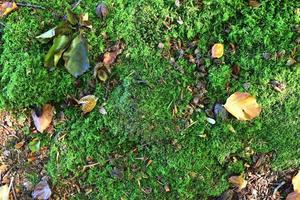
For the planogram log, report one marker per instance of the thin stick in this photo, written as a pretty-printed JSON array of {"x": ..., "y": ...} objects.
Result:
[
  {"x": 10, "y": 187},
  {"x": 30, "y": 5},
  {"x": 277, "y": 188},
  {"x": 76, "y": 4}
]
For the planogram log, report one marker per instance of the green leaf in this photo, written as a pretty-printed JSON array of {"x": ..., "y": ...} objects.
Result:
[
  {"x": 34, "y": 145},
  {"x": 60, "y": 44},
  {"x": 47, "y": 36},
  {"x": 72, "y": 17},
  {"x": 76, "y": 57},
  {"x": 64, "y": 28}
]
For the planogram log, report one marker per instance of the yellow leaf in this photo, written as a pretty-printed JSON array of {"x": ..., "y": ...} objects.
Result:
[
  {"x": 296, "y": 182},
  {"x": 4, "y": 192},
  {"x": 217, "y": 50},
  {"x": 243, "y": 106},
  {"x": 88, "y": 103},
  {"x": 44, "y": 119},
  {"x": 293, "y": 196},
  {"x": 238, "y": 181},
  {"x": 7, "y": 7}
]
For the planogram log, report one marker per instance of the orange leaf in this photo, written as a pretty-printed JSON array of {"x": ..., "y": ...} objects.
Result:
[
  {"x": 238, "y": 181},
  {"x": 217, "y": 50},
  {"x": 44, "y": 120},
  {"x": 243, "y": 106},
  {"x": 7, "y": 7},
  {"x": 293, "y": 196},
  {"x": 88, "y": 103},
  {"x": 296, "y": 182}
]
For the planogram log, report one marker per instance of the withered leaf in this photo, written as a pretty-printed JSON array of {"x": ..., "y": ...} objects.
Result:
[
  {"x": 101, "y": 10},
  {"x": 296, "y": 182},
  {"x": 238, "y": 181},
  {"x": 254, "y": 3},
  {"x": 293, "y": 196},
  {"x": 43, "y": 120},
  {"x": 42, "y": 191},
  {"x": 6, "y": 8},
  {"x": 47, "y": 36},
  {"x": 4, "y": 192},
  {"x": 88, "y": 103},
  {"x": 243, "y": 106},
  {"x": 217, "y": 50}
]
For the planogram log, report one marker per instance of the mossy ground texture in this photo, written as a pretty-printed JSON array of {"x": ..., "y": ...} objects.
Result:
[{"x": 193, "y": 159}]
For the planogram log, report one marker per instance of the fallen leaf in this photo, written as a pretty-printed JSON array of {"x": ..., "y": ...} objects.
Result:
[
  {"x": 76, "y": 57},
  {"x": 20, "y": 145},
  {"x": 6, "y": 8},
  {"x": 254, "y": 4},
  {"x": 238, "y": 181},
  {"x": 54, "y": 54},
  {"x": 296, "y": 182},
  {"x": 4, "y": 192},
  {"x": 110, "y": 57},
  {"x": 88, "y": 103},
  {"x": 101, "y": 10},
  {"x": 291, "y": 61},
  {"x": 34, "y": 145},
  {"x": 3, "y": 168},
  {"x": 243, "y": 106},
  {"x": 47, "y": 36},
  {"x": 84, "y": 20},
  {"x": 293, "y": 196},
  {"x": 42, "y": 191},
  {"x": 43, "y": 120},
  {"x": 103, "y": 111},
  {"x": 72, "y": 17},
  {"x": 217, "y": 50}
]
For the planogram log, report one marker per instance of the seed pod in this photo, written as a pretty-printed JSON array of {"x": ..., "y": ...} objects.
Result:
[{"x": 101, "y": 10}]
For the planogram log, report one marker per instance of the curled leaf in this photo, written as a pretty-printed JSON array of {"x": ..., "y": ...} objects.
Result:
[
  {"x": 76, "y": 57},
  {"x": 293, "y": 196},
  {"x": 6, "y": 8},
  {"x": 4, "y": 192},
  {"x": 243, "y": 106},
  {"x": 88, "y": 103},
  {"x": 54, "y": 54},
  {"x": 47, "y": 36},
  {"x": 296, "y": 182},
  {"x": 217, "y": 50},
  {"x": 42, "y": 191},
  {"x": 238, "y": 181},
  {"x": 43, "y": 120}
]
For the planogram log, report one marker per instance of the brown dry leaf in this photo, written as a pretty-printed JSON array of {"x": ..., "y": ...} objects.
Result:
[
  {"x": 254, "y": 3},
  {"x": 296, "y": 182},
  {"x": 3, "y": 168},
  {"x": 238, "y": 181},
  {"x": 20, "y": 145},
  {"x": 243, "y": 106},
  {"x": 217, "y": 50},
  {"x": 43, "y": 121},
  {"x": 6, "y": 8},
  {"x": 4, "y": 192},
  {"x": 293, "y": 196},
  {"x": 88, "y": 103}
]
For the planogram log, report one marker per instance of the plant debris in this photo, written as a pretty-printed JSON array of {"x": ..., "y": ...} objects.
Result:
[
  {"x": 6, "y": 8},
  {"x": 217, "y": 50},
  {"x": 42, "y": 191},
  {"x": 42, "y": 118},
  {"x": 88, "y": 103},
  {"x": 238, "y": 181},
  {"x": 243, "y": 106}
]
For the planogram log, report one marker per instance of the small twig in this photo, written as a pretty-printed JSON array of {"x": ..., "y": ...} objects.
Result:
[
  {"x": 277, "y": 188},
  {"x": 30, "y": 5},
  {"x": 10, "y": 187},
  {"x": 75, "y": 5},
  {"x": 90, "y": 166}
]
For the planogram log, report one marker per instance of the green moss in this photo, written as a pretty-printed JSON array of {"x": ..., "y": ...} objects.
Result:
[{"x": 195, "y": 161}]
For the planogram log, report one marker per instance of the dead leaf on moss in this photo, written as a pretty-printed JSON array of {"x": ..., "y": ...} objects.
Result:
[
  {"x": 254, "y": 3},
  {"x": 277, "y": 86},
  {"x": 42, "y": 190},
  {"x": 243, "y": 106},
  {"x": 43, "y": 120},
  {"x": 217, "y": 50},
  {"x": 238, "y": 181},
  {"x": 88, "y": 103},
  {"x": 20, "y": 145},
  {"x": 6, "y": 8},
  {"x": 296, "y": 182},
  {"x": 293, "y": 196}
]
